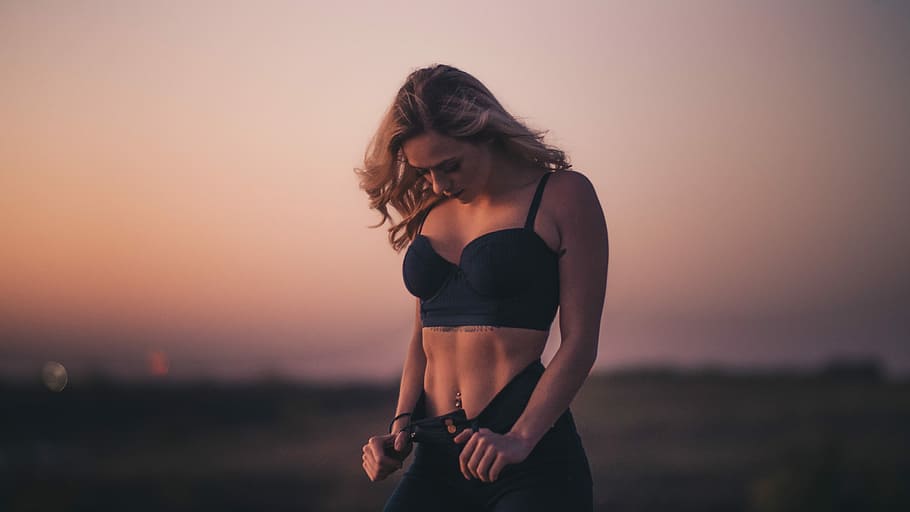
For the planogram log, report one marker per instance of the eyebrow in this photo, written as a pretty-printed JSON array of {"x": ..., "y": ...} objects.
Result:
[{"x": 440, "y": 164}]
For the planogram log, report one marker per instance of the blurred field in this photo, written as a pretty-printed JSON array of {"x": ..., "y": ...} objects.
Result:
[{"x": 657, "y": 441}]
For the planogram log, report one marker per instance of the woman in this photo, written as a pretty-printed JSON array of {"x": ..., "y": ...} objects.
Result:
[{"x": 500, "y": 233}]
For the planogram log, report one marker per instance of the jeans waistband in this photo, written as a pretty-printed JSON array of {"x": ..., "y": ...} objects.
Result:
[{"x": 499, "y": 414}]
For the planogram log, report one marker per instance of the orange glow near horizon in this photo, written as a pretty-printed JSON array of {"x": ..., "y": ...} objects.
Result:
[{"x": 158, "y": 366}]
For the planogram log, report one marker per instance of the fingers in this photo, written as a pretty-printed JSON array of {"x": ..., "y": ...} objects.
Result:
[
  {"x": 376, "y": 473},
  {"x": 466, "y": 454},
  {"x": 497, "y": 467},
  {"x": 482, "y": 469},
  {"x": 463, "y": 436},
  {"x": 376, "y": 443},
  {"x": 376, "y": 470},
  {"x": 370, "y": 468},
  {"x": 369, "y": 465},
  {"x": 377, "y": 448},
  {"x": 479, "y": 451},
  {"x": 376, "y": 463},
  {"x": 483, "y": 457},
  {"x": 474, "y": 450},
  {"x": 484, "y": 449}
]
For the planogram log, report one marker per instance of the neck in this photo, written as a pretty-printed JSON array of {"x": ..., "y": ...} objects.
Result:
[{"x": 505, "y": 175}]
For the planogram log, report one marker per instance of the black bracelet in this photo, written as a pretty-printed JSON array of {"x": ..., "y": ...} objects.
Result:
[{"x": 396, "y": 418}]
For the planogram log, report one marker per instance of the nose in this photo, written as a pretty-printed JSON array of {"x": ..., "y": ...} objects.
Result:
[{"x": 440, "y": 183}]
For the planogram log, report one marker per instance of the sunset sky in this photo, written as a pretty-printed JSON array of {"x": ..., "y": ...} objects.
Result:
[{"x": 177, "y": 178}]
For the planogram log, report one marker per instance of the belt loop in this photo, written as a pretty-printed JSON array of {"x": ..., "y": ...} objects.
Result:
[{"x": 474, "y": 425}]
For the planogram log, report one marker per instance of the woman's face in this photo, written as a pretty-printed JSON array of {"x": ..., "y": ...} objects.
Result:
[{"x": 453, "y": 167}]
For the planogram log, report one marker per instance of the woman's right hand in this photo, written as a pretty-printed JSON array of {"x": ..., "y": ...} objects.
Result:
[{"x": 383, "y": 455}]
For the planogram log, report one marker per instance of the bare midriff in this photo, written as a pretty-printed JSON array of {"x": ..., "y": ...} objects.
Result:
[{"x": 467, "y": 366}]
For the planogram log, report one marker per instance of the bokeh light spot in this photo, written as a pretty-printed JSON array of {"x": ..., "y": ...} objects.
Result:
[
  {"x": 54, "y": 376},
  {"x": 158, "y": 364}
]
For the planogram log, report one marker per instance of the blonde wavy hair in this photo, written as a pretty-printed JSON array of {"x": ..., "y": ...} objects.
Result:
[{"x": 450, "y": 102}]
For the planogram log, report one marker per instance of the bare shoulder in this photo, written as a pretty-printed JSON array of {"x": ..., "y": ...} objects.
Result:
[
  {"x": 572, "y": 210},
  {"x": 571, "y": 191}
]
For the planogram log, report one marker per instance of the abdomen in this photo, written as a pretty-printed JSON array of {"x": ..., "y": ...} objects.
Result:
[{"x": 475, "y": 361}]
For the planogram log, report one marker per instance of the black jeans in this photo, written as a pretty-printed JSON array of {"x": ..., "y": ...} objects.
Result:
[{"x": 555, "y": 476}]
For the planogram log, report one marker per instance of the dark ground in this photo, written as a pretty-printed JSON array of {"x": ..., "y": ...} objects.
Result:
[{"x": 657, "y": 441}]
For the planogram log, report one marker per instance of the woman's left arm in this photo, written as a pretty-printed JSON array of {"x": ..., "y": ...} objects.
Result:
[
  {"x": 583, "y": 261},
  {"x": 576, "y": 212}
]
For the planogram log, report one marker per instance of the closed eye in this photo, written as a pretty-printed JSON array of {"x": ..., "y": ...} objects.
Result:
[
  {"x": 447, "y": 167},
  {"x": 453, "y": 167}
]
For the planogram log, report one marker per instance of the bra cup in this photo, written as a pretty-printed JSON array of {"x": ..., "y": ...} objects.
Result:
[
  {"x": 424, "y": 271},
  {"x": 500, "y": 268},
  {"x": 508, "y": 278}
]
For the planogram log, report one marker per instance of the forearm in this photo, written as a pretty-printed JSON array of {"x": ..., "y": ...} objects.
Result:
[
  {"x": 556, "y": 389},
  {"x": 412, "y": 375}
]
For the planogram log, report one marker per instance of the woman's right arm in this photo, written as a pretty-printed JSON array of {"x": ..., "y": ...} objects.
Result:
[
  {"x": 415, "y": 366},
  {"x": 376, "y": 460}
]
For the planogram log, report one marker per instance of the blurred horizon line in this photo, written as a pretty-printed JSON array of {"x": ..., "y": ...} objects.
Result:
[{"x": 291, "y": 371}]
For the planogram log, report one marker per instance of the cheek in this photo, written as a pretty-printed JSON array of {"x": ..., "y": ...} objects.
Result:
[
  {"x": 471, "y": 171},
  {"x": 482, "y": 163}
]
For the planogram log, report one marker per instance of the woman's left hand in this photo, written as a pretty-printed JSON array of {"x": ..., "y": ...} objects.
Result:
[{"x": 486, "y": 453}]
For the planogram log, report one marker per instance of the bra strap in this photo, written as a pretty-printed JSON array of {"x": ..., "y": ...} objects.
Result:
[
  {"x": 425, "y": 215},
  {"x": 535, "y": 203}
]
